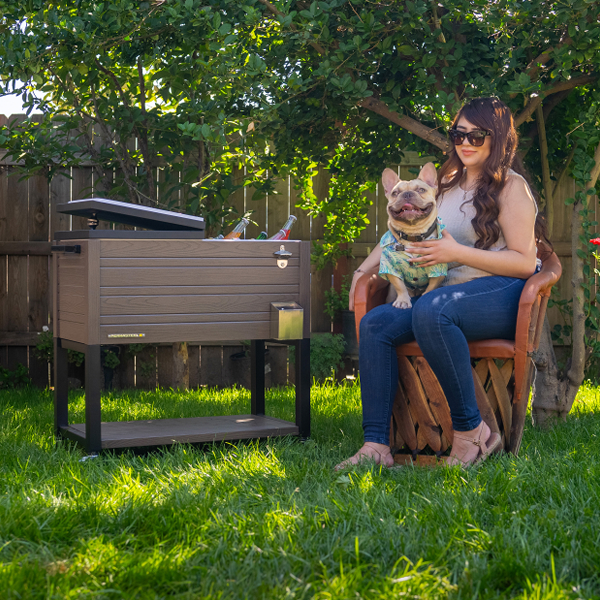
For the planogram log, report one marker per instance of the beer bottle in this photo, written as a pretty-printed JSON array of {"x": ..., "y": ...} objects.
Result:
[
  {"x": 237, "y": 231},
  {"x": 284, "y": 232},
  {"x": 263, "y": 235}
]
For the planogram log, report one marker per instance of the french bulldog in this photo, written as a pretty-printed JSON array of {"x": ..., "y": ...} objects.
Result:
[{"x": 412, "y": 217}]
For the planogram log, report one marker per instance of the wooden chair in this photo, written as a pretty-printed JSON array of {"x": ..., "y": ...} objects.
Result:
[{"x": 502, "y": 372}]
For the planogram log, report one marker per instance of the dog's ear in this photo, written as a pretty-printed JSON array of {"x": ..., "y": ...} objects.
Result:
[
  {"x": 389, "y": 179},
  {"x": 428, "y": 174}
]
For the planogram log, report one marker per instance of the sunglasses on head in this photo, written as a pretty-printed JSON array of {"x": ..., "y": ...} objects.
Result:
[{"x": 475, "y": 137}]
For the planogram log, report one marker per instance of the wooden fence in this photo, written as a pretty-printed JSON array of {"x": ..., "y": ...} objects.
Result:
[{"x": 28, "y": 220}]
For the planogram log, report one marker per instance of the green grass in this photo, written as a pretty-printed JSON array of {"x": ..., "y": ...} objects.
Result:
[{"x": 272, "y": 519}]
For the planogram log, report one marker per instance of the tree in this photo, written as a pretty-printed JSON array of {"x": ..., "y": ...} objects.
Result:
[{"x": 357, "y": 81}]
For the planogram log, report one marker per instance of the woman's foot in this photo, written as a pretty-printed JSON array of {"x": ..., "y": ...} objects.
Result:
[
  {"x": 370, "y": 452},
  {"x": 470, "y": 447}
]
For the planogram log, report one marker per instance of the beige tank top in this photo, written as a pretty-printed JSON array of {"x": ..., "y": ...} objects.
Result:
[{"x": 455, "y": 208}]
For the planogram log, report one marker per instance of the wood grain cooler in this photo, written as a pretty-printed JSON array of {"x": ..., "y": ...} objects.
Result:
[{"x": 122, "y": 287}]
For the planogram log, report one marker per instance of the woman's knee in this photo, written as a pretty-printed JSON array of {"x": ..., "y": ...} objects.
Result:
[
  {"x": 373, "y": 322},
  {"x": 427, "y": 310}
]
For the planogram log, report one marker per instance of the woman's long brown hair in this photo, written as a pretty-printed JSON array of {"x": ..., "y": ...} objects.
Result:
[{"x": 490, "y": 114}]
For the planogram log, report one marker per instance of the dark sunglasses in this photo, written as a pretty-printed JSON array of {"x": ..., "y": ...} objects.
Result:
[{"x": 476, "y": 137}]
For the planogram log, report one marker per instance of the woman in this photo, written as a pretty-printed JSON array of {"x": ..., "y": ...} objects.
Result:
[{"x": 490, "y": 246}]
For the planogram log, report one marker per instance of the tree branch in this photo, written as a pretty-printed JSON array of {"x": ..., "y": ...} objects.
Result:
[
  {"x": 564, "y": 170},
  {"x": 539, "y": 61},
  {"x": 549, "y": 106},
  {"x": 427, "y": 133},
  {"x": 534, "y": 102}
]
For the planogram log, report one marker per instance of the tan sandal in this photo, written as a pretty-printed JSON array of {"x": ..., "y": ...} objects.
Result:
[
  {"x": 363, "y": 458},
  {"x": 485, "y": 448}
]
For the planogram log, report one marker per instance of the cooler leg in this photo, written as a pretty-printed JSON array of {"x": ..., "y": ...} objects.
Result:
[
  {"x": 61, "y": 387},
  {"x": 303, "y": 387},
  {"x": 93, "y": 417},
  {"x": 257, "y": 377}
]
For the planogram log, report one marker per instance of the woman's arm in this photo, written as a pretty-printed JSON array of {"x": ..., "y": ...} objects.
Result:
[
  {"x": 369, "y": 265},
  {"x": 516, "y": 220}
]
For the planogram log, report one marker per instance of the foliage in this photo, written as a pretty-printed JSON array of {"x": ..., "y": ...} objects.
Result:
[
  {"x": 44, "y": 349},
  {"x": 17, "y": 377},
  {"x": 110, "y": 357},
  {"x": 277, "y": 88},
  {"x": 152, "y": 94},
  {"x": 353, "y": 83},
  {"x": 336, "y": 302},
  {"x": 326, "y": 355},
  {"x": 154, "y": 524}
]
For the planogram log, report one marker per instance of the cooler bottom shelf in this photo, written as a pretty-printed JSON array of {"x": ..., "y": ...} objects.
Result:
[{"x": 128, "y": 434}]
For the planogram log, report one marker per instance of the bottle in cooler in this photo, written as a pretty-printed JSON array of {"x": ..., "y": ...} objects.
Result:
[
  {"x": 237, "y": 231},
  {"x": 284, "y": 232}
]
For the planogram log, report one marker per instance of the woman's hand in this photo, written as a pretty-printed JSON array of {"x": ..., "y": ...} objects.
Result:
[{"x": 435, "y": 252}]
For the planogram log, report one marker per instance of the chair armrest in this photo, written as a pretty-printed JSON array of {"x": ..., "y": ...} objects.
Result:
[
  {"x": 370, "y": 291},
  {"x": 532, "y": 304},
  {"x": 530, "y": 318},
  {"x": 542, "y": 282}
]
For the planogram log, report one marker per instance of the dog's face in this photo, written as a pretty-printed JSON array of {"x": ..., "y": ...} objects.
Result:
[{"x": 411, "y": 204}]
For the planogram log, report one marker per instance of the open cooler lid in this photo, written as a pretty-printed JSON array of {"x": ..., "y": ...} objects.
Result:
[{"x": 135, "y": 215}]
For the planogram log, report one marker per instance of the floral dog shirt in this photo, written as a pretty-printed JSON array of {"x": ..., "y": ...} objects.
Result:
[{"x": 396, "y": 262}]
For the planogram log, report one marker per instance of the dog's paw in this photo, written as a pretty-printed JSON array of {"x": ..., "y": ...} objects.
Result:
[{"x": 402, "y": 302}]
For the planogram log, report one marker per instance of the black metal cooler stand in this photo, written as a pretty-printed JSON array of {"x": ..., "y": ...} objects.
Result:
[{"x": 92, "y": 440}]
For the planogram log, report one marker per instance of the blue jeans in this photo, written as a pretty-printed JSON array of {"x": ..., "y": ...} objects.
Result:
[{"x": 441, "y": 321}]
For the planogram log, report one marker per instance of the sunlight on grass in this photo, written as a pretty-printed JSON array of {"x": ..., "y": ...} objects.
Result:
[{"x": 271, "y": 519}]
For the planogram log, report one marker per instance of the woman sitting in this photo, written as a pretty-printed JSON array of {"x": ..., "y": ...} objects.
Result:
[{"x": 489, "y": 243}]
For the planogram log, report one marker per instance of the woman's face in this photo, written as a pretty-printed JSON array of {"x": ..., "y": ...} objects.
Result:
[{"x": 473, "y": 157}]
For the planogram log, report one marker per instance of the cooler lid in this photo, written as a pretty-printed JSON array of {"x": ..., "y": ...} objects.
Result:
[{"x": 135, "y": 215}]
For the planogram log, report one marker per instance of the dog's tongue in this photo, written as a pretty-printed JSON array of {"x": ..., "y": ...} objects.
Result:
[{"x": 408, "y": 206}]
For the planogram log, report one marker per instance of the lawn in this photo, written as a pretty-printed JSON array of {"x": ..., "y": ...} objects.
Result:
[{"x": 272, "y": 519}]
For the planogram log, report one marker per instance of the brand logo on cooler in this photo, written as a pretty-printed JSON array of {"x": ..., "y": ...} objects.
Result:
[{"x": 126, "y": 335}]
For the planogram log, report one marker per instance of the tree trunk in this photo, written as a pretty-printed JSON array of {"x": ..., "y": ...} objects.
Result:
[
  {"x": 181, "y": 369},
  {"x": 552, "y": 395}
]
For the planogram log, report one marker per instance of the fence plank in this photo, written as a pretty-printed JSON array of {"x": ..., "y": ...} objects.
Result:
[
  {"x": 165, "y": 366},
  {"x": 278, "y": 359},
  {"x": 210, "y": 365},
  {"x": 320, "y": 282},
  {"x": 321, "y": 190},
  {"x": 38, "y": 274},
  {"x": 125, "y": 371},
  {"x": 279, "y": 206},
  {"x": 237, "y": 198},
  {"x": 60, "y": 192},
  {"x": 382, "y": 216},
  {"x": 259, "y": 214},
  {"x": 17, "y": 230},
  {"x": 301, "y": 229},
  {"x": 369, "y": 234},
  {"x": 194, "y": 365},
  {"x": 81, "y": 188},
  {"x": 145, "y": 368},
  {"x": 3, "y": 261},
  {"x": 234, "y": 371}
]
